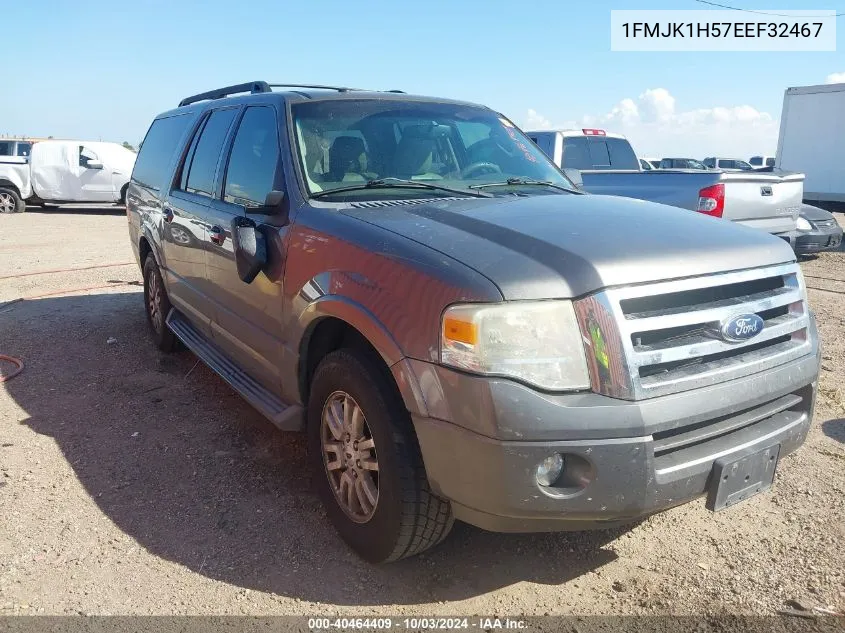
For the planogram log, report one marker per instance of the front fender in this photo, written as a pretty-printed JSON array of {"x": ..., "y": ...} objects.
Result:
[{"x": 369, "y": 326}]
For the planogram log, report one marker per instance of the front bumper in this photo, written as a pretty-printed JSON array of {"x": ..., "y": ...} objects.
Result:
[
  {"x": 817, "y": 240},
  {"x": 637, "y": 457}
]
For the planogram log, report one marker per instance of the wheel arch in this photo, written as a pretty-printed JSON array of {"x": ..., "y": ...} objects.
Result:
[
  {"x": 8, "y": 184},
  {"x": 334, "y": 322}
]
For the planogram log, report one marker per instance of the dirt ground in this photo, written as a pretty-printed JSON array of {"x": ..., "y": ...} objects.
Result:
[{"x": 137, "y": 483}]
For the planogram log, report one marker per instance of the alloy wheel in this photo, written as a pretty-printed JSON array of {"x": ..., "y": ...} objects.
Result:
[{"x": 349, "y": 455}]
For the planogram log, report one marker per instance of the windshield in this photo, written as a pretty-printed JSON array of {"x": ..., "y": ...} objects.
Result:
[
  {"x": 741, "y": 164},
  {"x": 341, "y": 143},
  {"x": 694, "y": 164}
]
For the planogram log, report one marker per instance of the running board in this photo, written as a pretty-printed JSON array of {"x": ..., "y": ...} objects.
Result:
[{"x": 285, "y": 416}]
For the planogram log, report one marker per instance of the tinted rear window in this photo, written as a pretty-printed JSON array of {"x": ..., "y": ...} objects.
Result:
[
  {"x": 156, "y": 153},
  {"x": 207, "y": 152},
  {"x": 580, "y": 152}
]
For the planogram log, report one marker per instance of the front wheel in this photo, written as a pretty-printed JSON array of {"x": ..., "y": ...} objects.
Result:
[
  {"x": 367, "y": 462},
  {"x": 10, "y": 201}
]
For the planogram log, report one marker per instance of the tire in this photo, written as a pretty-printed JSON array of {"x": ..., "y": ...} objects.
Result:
[
  {"x": 407, "y": 518},
  {"x": 157, "y": 306},
  {"x": 10, "y": 201},
  {"x": 122, "y": 200}
]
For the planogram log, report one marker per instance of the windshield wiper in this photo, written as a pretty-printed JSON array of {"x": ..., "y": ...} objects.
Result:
[
  {"x": 524, "y": 181},
  {"x": 386, "y": 183}
]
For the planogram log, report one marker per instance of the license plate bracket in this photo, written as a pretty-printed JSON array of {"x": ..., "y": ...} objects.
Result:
[{"x": 739, "y": 478}]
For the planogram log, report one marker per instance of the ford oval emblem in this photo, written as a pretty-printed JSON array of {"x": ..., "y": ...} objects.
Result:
[{"x": 741, "y": 327}]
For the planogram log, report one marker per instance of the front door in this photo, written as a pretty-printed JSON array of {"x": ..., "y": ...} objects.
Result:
[
  {"x": 248, "y": 317},
  {"x": 95, "y": 178},
  {"x": 185, "y": 213}
]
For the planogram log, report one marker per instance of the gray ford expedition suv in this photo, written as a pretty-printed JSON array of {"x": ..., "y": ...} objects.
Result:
[{"x": 462, "y": 335}]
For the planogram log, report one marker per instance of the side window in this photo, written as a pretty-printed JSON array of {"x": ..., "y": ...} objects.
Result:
[
  {"x": 473, "y": 131},
  {"x": 756, "y": 161},
  {"x": 709, "y": 162},
  {"x": 6, "y": 148},
  {"x": 86, "y": 154},
  {"x": 186, "y": 164},
  {"x": 254, "y": 159},
  {"x": 203, "y": 162},
  {"x": 24, "y": 149},
  {"x": 576, "y": 153},
  {"x": 599, "y": 154},
  {"x": 157, "y": 151},
  {"x": 770, "y": 162}
]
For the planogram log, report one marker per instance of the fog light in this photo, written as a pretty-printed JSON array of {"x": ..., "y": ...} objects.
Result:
[{"x": 549, "y": 470}]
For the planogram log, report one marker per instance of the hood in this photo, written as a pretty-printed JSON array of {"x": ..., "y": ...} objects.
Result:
[
  {"x": 565, "y": 246},
  {"x": 814, "y": 214}
]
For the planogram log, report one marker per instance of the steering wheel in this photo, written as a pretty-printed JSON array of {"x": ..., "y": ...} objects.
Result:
[{"x": 483, "y": 167}]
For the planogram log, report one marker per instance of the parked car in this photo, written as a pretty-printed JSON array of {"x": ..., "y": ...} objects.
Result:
[
  {"x": 761, "y": 161},
  {"x": 681, "y": 163},
  {"x": 727, "y": 164},
  {"x": 812, "y": 140},
  {"x": 463, "y": 334},
  {"x": 65, "y": 171},
  {"x": 606, "y": 164},
  {"x": 818, "y": 231}
]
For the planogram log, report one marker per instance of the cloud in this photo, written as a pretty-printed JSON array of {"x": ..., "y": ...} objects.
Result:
[
  {"x": 536, "y": 121},
  {"x": 835, "y": 78},
  {"x": 656, "y": 127}
]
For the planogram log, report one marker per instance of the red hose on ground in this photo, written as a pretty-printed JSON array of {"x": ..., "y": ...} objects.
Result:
[{"x": 15, "y": 361}]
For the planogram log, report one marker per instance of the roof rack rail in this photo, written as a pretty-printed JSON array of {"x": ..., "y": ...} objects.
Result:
[
  {"x": 256, "y": 87},
  {"x": 315, "y": 86},
  {"x": 253, "y": 87}
]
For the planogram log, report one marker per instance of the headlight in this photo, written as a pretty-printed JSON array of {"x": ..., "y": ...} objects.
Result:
[
  {"x": 802, "y": 284},
  {"x": 804, "y": 225},
  {"x": 535, "y": 342}
]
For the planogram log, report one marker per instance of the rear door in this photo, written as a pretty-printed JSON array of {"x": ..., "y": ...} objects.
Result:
[
  {"x": 248, "y": 318},
  {"x": 185, "y": 214}
]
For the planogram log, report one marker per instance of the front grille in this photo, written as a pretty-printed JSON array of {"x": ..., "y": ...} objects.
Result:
[{"x": 670, "y": 332}]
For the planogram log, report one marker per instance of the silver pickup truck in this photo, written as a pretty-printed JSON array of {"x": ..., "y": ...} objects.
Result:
[{"x": 608, "y": 165}]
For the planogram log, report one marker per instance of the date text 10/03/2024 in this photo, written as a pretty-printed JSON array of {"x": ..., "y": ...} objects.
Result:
[{"x": 422, "y": 623}]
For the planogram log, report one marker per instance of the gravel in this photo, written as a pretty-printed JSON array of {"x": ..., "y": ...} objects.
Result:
[{"x": 133, "y": 482}]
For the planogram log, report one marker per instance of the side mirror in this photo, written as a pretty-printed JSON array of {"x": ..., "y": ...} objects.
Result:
[
  {"x": 250, "y": 248},
  {"x": 274, "y": 204},
  {"x": 575, "y": 176},
  {"x": 93, "y": 164}
]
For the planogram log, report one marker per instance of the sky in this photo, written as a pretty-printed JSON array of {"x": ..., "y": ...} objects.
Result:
[{"x": 98, "y": 71}]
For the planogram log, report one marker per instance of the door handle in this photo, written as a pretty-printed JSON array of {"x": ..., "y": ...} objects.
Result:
[
  {"x": 217, "y": 235},
  {"x": 168, "y": 214}
]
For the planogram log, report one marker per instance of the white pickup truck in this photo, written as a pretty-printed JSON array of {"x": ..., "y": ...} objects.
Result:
[
  {"x": 606, "y": 164},
  {"x": 59, "y": 172}
]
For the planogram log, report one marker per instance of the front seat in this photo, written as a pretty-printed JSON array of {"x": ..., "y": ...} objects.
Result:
[
  {"x": 415, "y": 154},
  {"x": 347, "y": 160}
]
